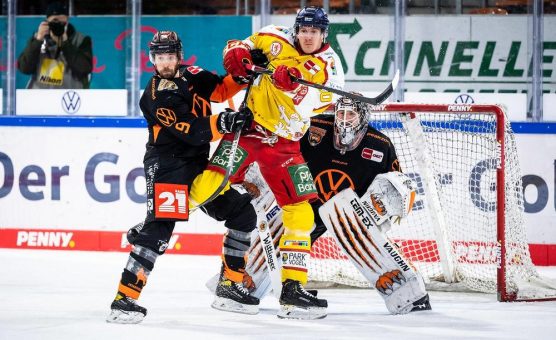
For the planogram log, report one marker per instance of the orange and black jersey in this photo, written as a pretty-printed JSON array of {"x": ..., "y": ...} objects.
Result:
[
  {"x": 332, "y": 171},
  {"x": 178, "y": 111}
]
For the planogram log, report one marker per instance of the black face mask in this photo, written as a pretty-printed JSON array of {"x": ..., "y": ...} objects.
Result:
[{"x": 57, "y": 28}]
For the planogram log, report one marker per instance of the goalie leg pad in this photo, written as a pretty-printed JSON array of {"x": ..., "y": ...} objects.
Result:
[
  {"x": 402, "y": 296},
  {"x": 357, "y": 233}
]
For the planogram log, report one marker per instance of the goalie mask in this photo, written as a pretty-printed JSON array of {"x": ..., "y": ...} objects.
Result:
[
  {"x": 165, "y": 42},
  {"x": 350, "y": 123}
]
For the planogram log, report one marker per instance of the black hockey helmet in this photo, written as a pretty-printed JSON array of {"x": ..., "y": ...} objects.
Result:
[
  {"x": 351, "y": 118},
  {"x": 165, "y": 42},
  {"x": 312, "y": 16}
]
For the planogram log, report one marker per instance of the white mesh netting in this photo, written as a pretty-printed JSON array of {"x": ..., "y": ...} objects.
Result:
[{"x": 461, "y": 153}]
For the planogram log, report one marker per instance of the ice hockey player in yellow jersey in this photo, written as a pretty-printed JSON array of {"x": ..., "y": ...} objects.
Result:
[{"x": 282, "y": 109}]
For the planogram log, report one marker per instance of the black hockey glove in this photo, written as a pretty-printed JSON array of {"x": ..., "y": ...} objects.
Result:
[
  {"x": 230, "y": 121},
  {"x": 259, "y": 58}
]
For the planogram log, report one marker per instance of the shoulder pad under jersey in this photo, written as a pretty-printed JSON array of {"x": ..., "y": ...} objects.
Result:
[{"x": 280, "y": 31}]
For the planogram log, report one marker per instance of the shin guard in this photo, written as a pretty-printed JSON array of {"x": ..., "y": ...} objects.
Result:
[{"x": 134, "y": 277}]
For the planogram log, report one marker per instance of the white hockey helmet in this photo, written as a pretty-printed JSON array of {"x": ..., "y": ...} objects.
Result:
[{"x": 350, "y": 123}]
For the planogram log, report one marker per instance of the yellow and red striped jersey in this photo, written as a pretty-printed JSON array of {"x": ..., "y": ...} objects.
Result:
[{"x": 287, "y": 114}]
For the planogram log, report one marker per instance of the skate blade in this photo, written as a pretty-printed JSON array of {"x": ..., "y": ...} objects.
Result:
[
  {"x": 294, "y": 312},
  {"x": 118, "y": 316},
  {"x": 229, "y": 305}
]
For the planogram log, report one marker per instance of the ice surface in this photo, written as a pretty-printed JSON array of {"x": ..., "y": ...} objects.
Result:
[{"x": 66, "y": 295}]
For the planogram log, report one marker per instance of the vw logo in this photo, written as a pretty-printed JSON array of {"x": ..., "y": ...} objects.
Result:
[
  {"x": 464, "y": 99},
  {"x": 71, "y": 102}
]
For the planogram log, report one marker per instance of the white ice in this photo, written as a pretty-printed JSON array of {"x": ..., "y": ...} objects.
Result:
[{"x": 66, "y": 295}]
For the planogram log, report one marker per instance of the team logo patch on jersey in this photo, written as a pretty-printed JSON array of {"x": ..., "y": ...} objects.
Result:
[
  {"x": 275, "y": 48},
  {"x": 373, "y": 155},
  {"x": 194, "y": 69},
  {"x": 166, "y": 84},
  {"x": 330, "y": 182},
  {"x": 300, "y": 94},
  {"x": 333, "y": 66},
  {"x": 315, "y": 135},
  {"x": 165, "y": 116},
  {"x": 311, "y": 67}
]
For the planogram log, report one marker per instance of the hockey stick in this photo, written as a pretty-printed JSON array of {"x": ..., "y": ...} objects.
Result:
[
  {"x": 373, "y": 101},
  {"x": 233, "y": 151},
  {"x": 262, "y": 264}
]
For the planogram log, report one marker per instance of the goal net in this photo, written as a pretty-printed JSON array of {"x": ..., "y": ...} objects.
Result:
[{"x": 466, "y": 229}]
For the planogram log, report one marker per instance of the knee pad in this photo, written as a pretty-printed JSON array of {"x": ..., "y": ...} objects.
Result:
[
  {"x": 298, "y": 218},
  {"x": 153, "y": 235},
  {"x": 235, "y": 209}
]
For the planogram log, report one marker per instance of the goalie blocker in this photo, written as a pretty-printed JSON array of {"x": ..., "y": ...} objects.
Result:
[{"x": 354, "y": 223}]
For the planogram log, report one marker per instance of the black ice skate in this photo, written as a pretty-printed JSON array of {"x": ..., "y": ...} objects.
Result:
[
  {"x": 233, "y": 297},
  {"x": 297, "y": 303},
  {"x": 422, "y": 304},
  {"x": 126, "y": 310}
]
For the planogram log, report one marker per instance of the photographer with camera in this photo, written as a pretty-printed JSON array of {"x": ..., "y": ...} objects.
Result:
[{"x": 57, "y": 56}]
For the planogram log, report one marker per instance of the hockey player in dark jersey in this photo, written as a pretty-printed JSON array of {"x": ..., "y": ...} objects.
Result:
[
  {"x": 355, "y": 153},
  {"x": 176, "y": 106}
]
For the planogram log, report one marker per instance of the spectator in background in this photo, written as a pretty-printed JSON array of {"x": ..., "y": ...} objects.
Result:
[{"x": 57, "y": 56}]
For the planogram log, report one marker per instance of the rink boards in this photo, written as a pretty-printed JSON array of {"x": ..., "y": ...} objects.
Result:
[{"x": 78, "y": 184}]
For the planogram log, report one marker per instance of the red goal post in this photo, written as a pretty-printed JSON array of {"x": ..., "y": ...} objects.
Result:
[{"x": 467, "y": 228}]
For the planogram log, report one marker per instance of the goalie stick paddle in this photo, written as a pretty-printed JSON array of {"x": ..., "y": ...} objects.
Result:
[
  {"x": 263, "y": 264},
  {"x": 373, "y": 100},
  {"x": 267, "y": 243},
  {"x": 233, "y": 151}
]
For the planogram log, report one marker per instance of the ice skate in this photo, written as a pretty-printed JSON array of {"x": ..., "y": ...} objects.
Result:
[
  {"x": 297, "y": 303},
  {"x": 233, "y": 297},
  {"x": 421, "y": 304},
  {"x": 126, "y": 310}
]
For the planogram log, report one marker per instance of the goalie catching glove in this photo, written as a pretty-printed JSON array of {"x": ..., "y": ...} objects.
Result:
[
  {"x": 236, "y": 54},
  {"x": 389, "y": 198}
]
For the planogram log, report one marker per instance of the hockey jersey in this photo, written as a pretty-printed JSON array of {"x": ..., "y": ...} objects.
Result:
[
  {"x": 178, "y": 111},
  {"x": 356, "y": 169},
  {"x": 287, "y": 114}
]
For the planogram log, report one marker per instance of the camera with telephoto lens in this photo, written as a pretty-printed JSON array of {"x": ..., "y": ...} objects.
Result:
[{"x": 57, "y": 28}]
